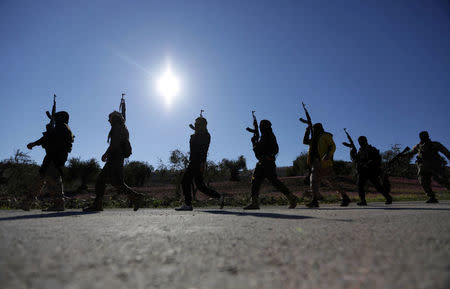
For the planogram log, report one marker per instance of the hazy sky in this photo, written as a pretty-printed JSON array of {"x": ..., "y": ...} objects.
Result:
[{"x": 378, "y": 68}]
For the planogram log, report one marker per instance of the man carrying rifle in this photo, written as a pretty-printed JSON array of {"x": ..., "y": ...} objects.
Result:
[
  {"x": 57, "y": 141},
  {"x": 199, "y": 144},
  {"x": 266, "y": 149},
  {"x": 119, "y": 149},
  {"x": 368, "y": 167},
  {"x": 430, "y": 164},
  {"x": 320, "y": 159}
]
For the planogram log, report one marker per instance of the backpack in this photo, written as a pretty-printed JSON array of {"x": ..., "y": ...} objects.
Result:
[{"x": 126, "y": 149}]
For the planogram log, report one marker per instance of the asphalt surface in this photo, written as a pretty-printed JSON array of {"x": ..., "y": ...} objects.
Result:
[{"x": 405, "y": 245}]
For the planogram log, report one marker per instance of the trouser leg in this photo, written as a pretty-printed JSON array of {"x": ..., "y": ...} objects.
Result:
[
  {"x": 425, "y": 181},
  {"x": 100, "y": 187},
  {"x": 375, "y": 180},
  {"x": 257, "y": 180},
  {"x": 186, "y": 184},
  {"x": 279, "y": 185},
  {"x": 256, "y": 185},
  {"x": 124, "y": 188},
  {"x": 361, "y": 187},
  {"x": 201, "y": 186},
  {"x": 315, "y": 177},
  {"x": 55, "y": 184}
]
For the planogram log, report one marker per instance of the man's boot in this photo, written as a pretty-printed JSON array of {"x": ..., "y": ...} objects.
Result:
[
  {"x": 362, "y": 203},
  {"x": 97, "y": 206},
  {"x": 388, "y": 199},
  {"x": 254, "y": 205},
  {"x": 432, "y": 200},
  {"x": 345, "y": 201},
  {"x": 184, "y": 207}
]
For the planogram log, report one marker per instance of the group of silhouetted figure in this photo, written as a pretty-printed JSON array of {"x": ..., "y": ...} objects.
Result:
[{"x": 57, "y": 141}]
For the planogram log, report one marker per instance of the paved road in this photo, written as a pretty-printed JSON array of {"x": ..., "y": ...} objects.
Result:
[{"x": 406, "y": 245}]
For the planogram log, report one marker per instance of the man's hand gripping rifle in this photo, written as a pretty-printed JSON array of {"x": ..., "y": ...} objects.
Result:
[
  {"x": 255, "y": 129},
  {"x": 350, "y": 143},
  {"x": 308, "y": 117},
  {"x": 48, "y": 128},
  {"x": 51, "y": 116}
]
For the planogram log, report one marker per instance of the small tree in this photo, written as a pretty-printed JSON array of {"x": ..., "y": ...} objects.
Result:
[
  {"x": 300, "y": 166},
  {"x": 235, "y": 167},
  {"x": 85, "y": 171},
  {"x": 17, "y": 174},
  {"x": 178, "y": 160},
  {"x": 136, "y": 173}
]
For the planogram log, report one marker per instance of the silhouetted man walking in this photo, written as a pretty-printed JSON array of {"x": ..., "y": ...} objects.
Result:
[
  {"x": 430, "y": 164},
  {"x": 368, "y": 167},
  {"x": 320, "y": 159},
  {"x": 199, "y": 145},
  {"x": 266, "y": 149},
  {"x": 57, "y": 142},
  {"x": 119, "y": 149}
]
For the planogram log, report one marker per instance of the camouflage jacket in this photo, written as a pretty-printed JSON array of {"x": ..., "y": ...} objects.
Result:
[{"x": 428, "y": 154}]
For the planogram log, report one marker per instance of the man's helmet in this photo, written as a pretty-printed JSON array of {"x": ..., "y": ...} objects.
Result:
[
  {"x": 265, "y": 125},
  {"x": 200, "y": 123},
  {"x": 62, "y": 117},
  {"x": 116, "y": 117}
]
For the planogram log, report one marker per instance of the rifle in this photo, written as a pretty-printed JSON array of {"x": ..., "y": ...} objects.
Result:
[
  {"x": 122, "y": 107},
  {"x": 255, "y": 129},
  {"x": 51, "y": 124},
  {"x": 397, "y": 157},
  {"x": 201, "y": 115},
  {"x": 308, "y": 117},
  {"x": 350, "y": 143}
]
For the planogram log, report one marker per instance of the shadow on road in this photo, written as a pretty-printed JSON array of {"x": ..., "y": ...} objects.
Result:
[
  {"x": 43, "y": 215},
  {"x": 386, "y": 208},
  {"x": 258, "y": 214}
]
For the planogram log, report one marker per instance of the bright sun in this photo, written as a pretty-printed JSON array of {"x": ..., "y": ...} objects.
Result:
[{"x": 168, "y": 85}]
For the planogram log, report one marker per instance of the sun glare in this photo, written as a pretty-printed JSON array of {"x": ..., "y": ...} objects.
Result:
[{"x": 168, "y": 85}]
